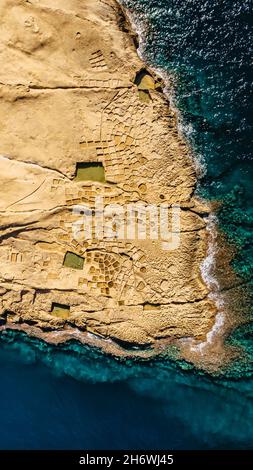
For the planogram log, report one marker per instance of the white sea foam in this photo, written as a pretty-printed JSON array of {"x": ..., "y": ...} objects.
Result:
[
  {"x": 208, "y": 275},
  {"x": 139, "y": 26}
]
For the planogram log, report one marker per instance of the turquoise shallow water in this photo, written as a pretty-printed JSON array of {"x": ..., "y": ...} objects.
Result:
[{"x": 75, "y": 397}]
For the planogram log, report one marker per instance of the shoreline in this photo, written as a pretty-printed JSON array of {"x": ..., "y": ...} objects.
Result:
[
  {"x": 208, "y": 265},
  {"x": 228, "y": 318}
]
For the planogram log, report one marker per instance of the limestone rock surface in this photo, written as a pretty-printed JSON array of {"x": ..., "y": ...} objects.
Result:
[{"x": 69, "y": 97}]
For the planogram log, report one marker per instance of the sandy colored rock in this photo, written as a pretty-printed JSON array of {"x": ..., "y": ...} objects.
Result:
[{"x": 68, "y": 97}]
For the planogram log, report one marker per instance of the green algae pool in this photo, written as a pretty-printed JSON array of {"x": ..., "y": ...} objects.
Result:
[
  {"x": 74, "y": 261},
  {"x": 90, "y": 171}
]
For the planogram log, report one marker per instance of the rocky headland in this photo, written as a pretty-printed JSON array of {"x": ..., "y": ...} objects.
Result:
[{"x": 82, "y": 116}]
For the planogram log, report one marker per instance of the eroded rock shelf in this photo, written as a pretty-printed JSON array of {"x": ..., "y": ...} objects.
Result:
[{"x": 80, "y": 117}]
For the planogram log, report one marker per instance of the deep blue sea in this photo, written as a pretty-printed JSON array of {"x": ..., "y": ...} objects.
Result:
[{"x": 76, "y": 397}]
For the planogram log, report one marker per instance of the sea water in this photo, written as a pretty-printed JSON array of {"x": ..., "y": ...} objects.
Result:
[
  {"x": 72, "y": 396},
  {"x": 75, "y": 397}
]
